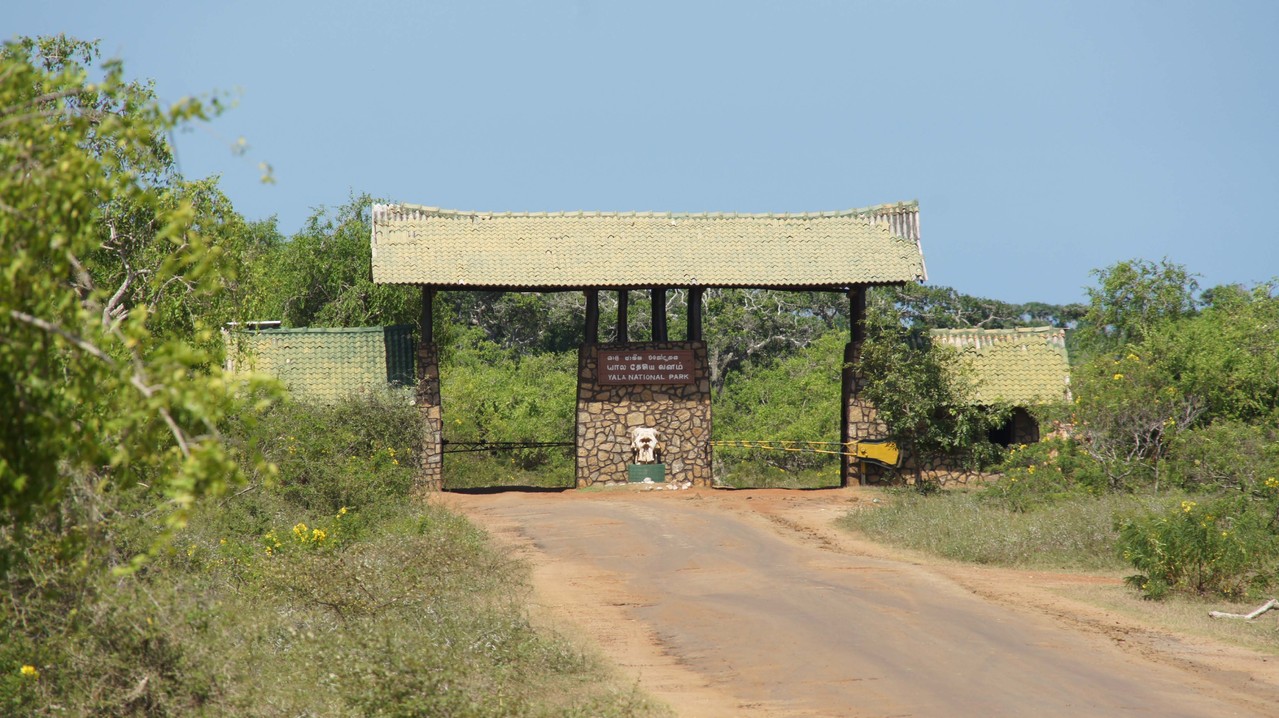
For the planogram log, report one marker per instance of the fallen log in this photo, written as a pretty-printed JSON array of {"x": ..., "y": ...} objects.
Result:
[{"x": 1272, "y": 603}]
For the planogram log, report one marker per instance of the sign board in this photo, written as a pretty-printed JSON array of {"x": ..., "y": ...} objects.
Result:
[{"x": 646, "y": 366}]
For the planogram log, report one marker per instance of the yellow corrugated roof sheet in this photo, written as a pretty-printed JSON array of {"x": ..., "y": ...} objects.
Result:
[
  {"x": 427, "y": 245},
  {"x": 1022, "y": 367}
]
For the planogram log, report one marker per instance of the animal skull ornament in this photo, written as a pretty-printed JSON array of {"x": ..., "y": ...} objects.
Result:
[{"x": 645, "y": 448}]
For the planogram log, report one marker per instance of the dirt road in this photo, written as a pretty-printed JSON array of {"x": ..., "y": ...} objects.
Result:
[{"x": 735, "y": 603}]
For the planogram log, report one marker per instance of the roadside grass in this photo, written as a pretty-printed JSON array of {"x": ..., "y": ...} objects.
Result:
[
  {"x": 959, "y": 524},
  {"x": 420, "y": 615},
  {"x": 324, "y": 592}
]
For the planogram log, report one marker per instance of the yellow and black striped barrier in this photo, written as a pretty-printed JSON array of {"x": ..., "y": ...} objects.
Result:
[{"x": 879, "y": 452}]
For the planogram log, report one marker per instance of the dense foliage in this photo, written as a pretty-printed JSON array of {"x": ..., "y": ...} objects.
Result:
[{"x": 112, "y": 268}]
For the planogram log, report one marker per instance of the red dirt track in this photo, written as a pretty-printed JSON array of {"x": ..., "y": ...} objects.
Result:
[{"x": 750, "y": 603}]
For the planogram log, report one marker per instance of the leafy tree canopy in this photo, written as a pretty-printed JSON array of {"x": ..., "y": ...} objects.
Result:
[
  {"x": 103, "y": 381},
  {"x": 1133, "y": 297}
]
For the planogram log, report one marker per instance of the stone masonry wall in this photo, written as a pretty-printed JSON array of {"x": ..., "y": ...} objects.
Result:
[
  {"x": 431, "y": 469},
  {"x": 681, "y": 413},
  {"x": 860, "y": 421}
]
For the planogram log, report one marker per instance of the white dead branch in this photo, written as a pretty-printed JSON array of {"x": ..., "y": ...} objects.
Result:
[{"x": 1272, "y": 603}]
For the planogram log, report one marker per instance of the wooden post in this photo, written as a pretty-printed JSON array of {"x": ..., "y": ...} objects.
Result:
[
  {"x": 659, "y": 313},
  {"x": 426, "y": 326},
  {"x": 623, "y": 300},
  {"x": 592, "y": 317},
  {"x": 857, "y": 317},
  {"x": 695, "y": 314}
]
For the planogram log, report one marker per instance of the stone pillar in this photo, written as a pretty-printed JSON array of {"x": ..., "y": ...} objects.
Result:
[
  {"x": 431, "y": 470},
  {"x": 681, "y": 413},
  {"x": 859, "y": 421}
]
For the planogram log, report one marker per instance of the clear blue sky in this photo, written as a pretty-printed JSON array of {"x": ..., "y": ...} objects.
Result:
[{"x": 1042, "y": 139}]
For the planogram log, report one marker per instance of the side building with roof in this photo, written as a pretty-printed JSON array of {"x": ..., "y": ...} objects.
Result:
[{"x": 1022, "y": 368}]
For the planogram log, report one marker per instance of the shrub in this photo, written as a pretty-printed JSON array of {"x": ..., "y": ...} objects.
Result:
[
  {"x": 273, "y": 602},
  {"x": 357, "y": 452},
  {"x": 1224, "y": 547},
  {"x": 793, "y": 398},
  {"x": 1224, "y": 455},
  {"x": 1042, "y": 474}
]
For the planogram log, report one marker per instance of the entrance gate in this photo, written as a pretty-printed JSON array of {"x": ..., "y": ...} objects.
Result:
[{"x": 640, "y": 400}]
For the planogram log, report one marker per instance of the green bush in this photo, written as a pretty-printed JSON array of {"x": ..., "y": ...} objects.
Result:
[
  {"x": 358, "y": 452},
  {"x": 1224, "y": 455},
  {"x": 740, "y": 473},
  {"x": 1045, "y": 473},
  {"x": 1225, "y": 547}
]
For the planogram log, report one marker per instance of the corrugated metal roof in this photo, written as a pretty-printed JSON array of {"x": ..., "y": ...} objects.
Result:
[
  {"x": 1022, "y": 367},
  {"x": 325, "y": 365},
  {"x": 451, "y": 248}
]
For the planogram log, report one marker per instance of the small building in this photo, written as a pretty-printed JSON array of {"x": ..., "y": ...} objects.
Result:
[{"x": 1024, "y": 368}]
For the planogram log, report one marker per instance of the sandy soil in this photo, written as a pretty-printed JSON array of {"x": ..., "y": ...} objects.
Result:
[{"x": 751, "y": 603}]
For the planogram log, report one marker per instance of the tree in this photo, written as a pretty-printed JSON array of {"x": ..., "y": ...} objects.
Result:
[
  {"x": 760, "y": 326},
  {"x": 925, "y": 395},
  {"x": 321, "y": 276},
  {"x": 91, "y": 392},
  {"x": 1132, "y": 298},
  {"x": 939, "y": 307}
]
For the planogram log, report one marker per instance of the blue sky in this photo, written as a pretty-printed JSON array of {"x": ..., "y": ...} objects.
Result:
[{"x": 1042, "y": 139}]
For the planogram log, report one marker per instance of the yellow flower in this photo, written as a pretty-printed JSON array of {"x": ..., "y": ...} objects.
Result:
[
  {"x": 222, "y": 542},
  {"x": 29, "y": 671},
  {"x": 1272, "y": 483},
  {"x": 1188, "y": 506},
  {"x": 1118, "y": 377},
  {"x": 318, "y": 535},
  {"x": 1225, "y": 534},
  {"x": 342, "y": 511},
  {"x": 1030, "y": 469},
  {"x": 299, "y": 531}
]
